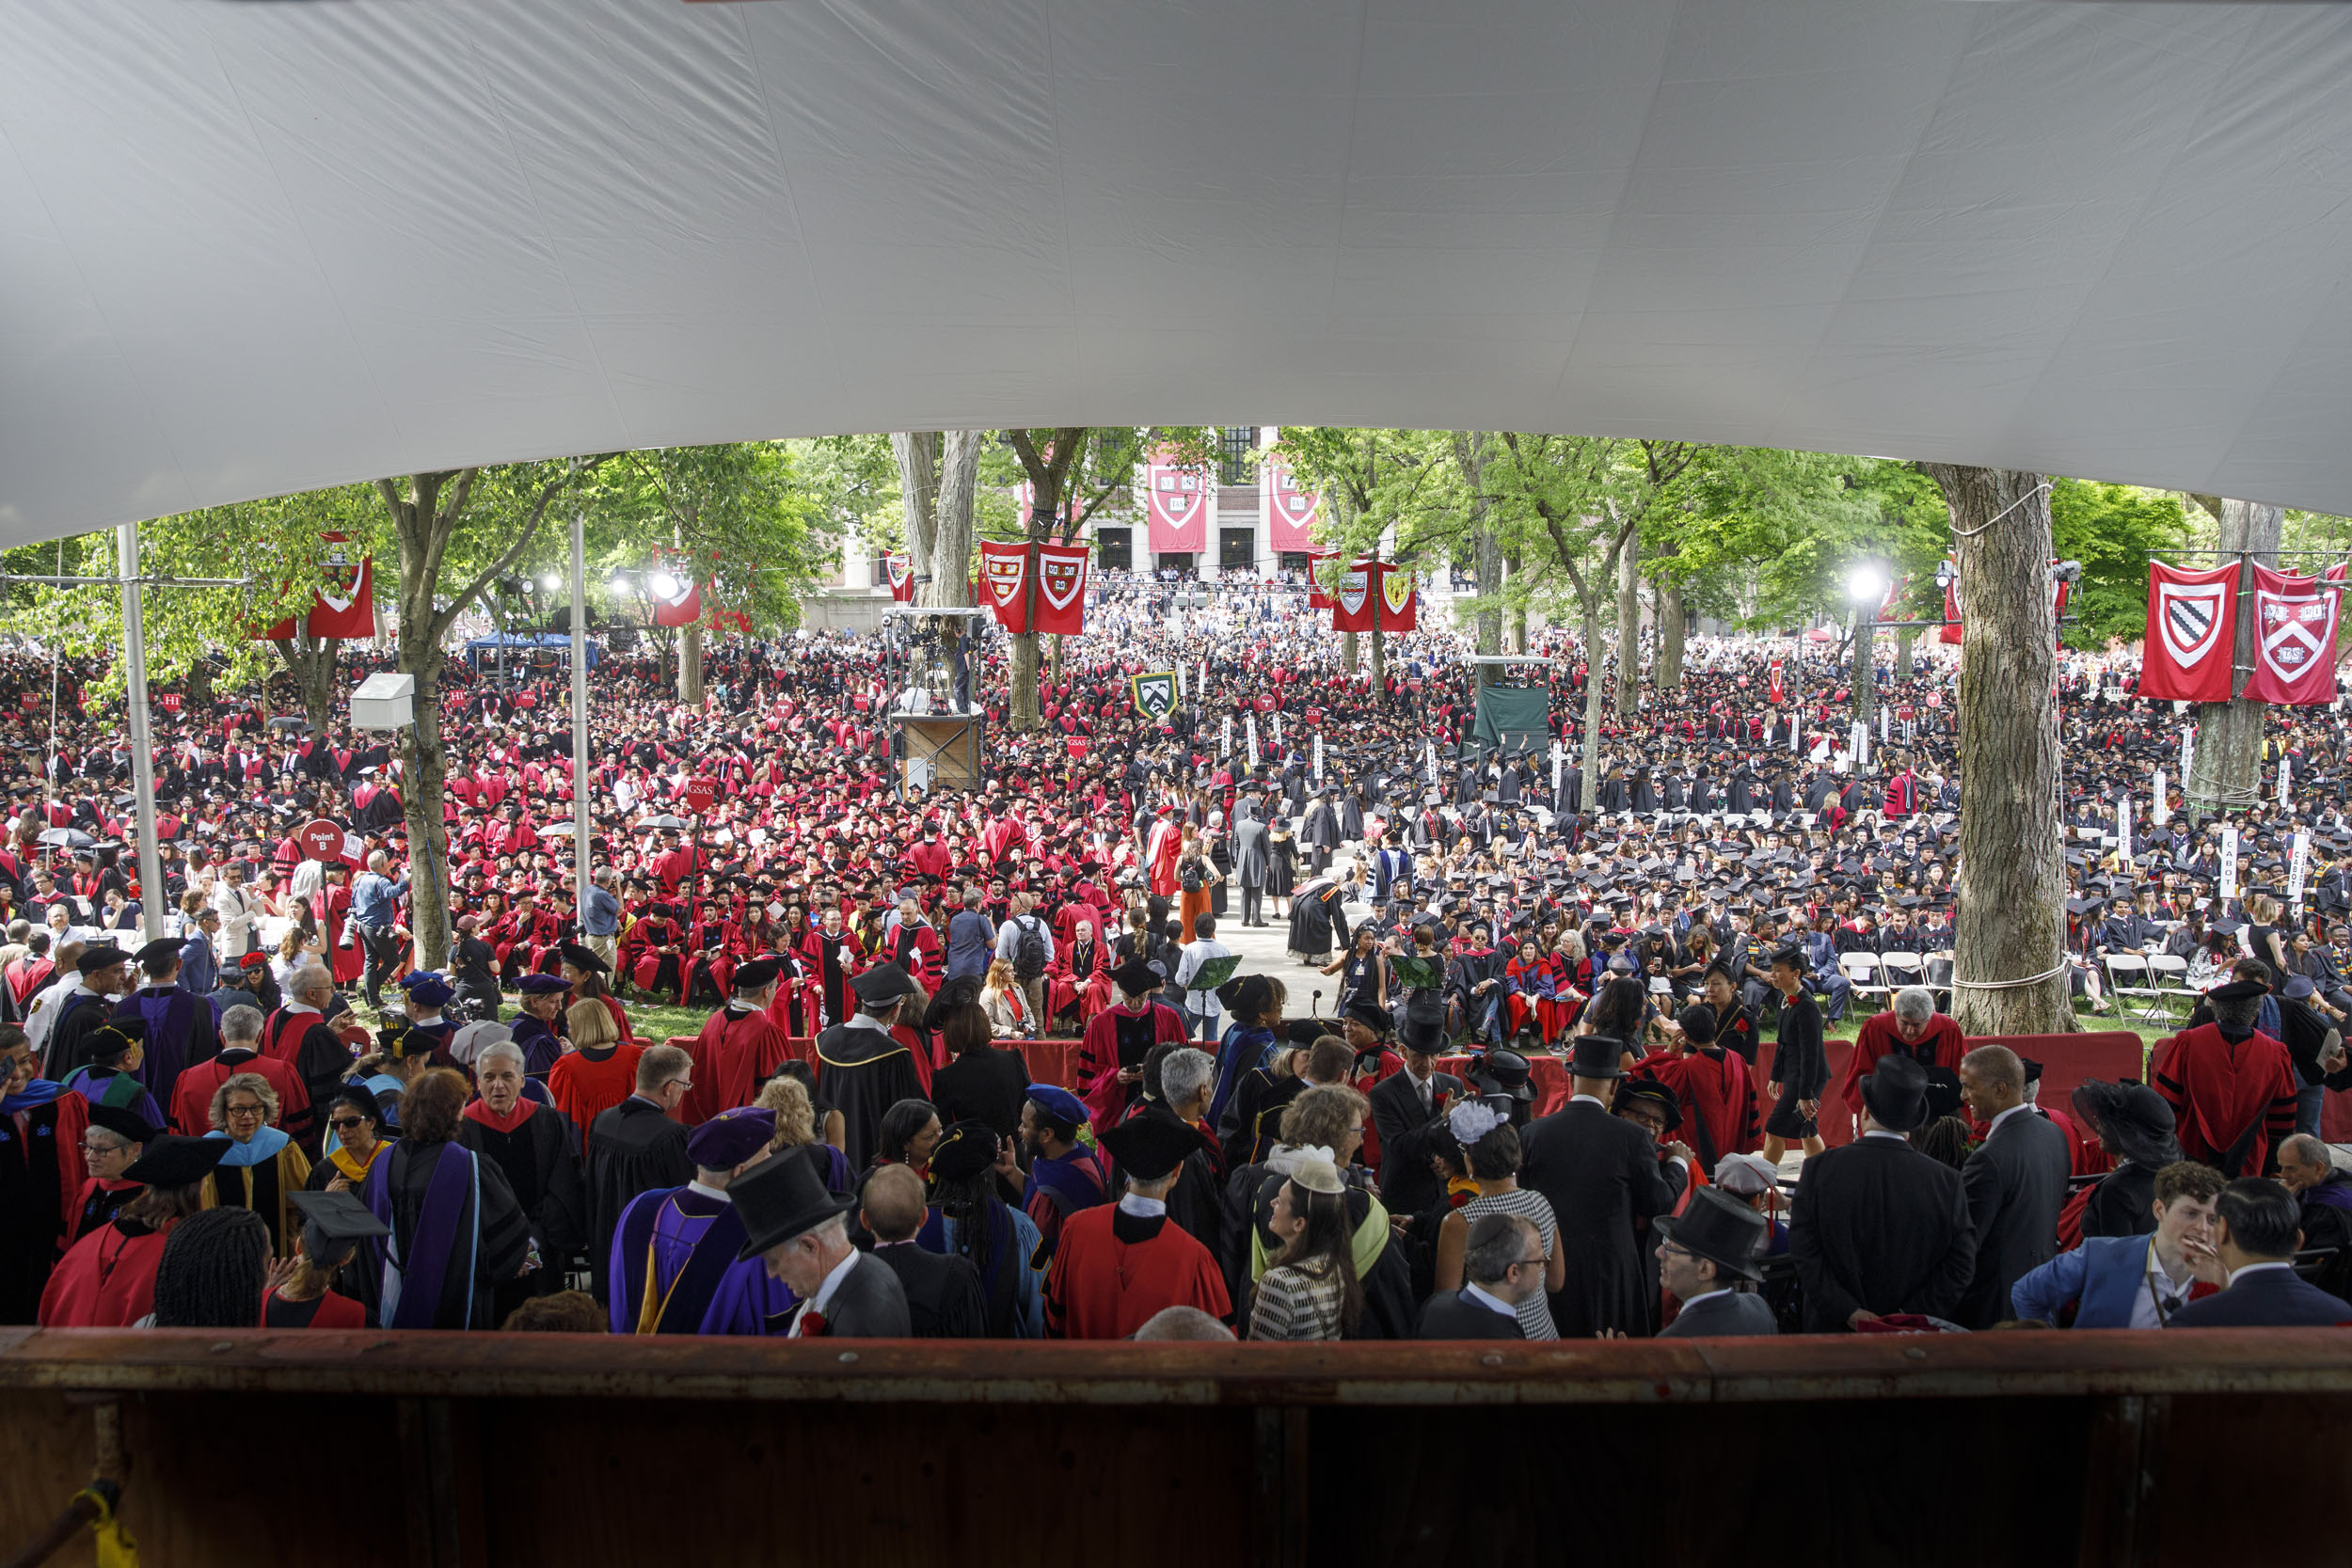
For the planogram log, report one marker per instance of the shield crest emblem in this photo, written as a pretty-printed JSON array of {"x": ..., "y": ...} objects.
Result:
[
  {"x": 340, "y": 574},
  {"x": 1396, "y": 590},
  {"x": 1061, "y": 579},
  {"x": 2294, "y": 629},
  {"x": 2192, "y": 618},
  {"x": 1156, "y": 695},
  {"x": 1179, "y": 495},
  {"x": 1004, "y": 579},
  {"x": 1352, "y": 587}
]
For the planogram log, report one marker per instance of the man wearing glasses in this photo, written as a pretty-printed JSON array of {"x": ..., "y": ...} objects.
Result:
[
  {"x": 635, "y": 1148},
  {"x": 1503, "y": 1264}
]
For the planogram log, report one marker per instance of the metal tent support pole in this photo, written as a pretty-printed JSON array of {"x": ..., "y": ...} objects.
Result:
[
  {"x": 142, "y": 741},
  {"x": 580, "y": 720}
]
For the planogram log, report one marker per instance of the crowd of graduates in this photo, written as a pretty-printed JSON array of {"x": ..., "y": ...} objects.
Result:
[{"x": 977, "y": 1063}]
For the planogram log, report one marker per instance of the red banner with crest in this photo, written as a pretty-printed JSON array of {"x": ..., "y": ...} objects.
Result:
[
  {"x": 1177, "y": 502},
  {"x": 2295, "y": 637},
  {"x": 1289, "y": 511},
  {"x": 1061, "y": 588},
  {"x": 1003, "y": 578}
]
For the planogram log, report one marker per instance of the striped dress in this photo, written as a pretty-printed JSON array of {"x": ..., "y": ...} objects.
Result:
[{"x": 1536, "y": 1311}]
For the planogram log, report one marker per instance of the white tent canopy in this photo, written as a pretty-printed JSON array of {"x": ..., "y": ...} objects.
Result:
[{"x": 253, "y": 248}]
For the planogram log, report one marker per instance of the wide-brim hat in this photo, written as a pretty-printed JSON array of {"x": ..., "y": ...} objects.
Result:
[
  {"x": 780, "y": 1198},
  {"x": 1722, "y": 1230},
  {"x": 1135, "y": 977},
  {"x": 1641, "y": 1086}
]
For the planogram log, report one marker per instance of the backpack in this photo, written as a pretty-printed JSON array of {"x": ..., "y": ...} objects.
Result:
[
  {"x": 1189, "y": 876},
  {"x": 1028, "y": 950}
]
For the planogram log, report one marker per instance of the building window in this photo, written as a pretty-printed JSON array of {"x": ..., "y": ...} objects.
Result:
[{"x": 1233, "y": 451}]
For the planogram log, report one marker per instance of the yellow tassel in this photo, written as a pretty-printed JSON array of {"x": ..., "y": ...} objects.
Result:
[{"x": 116, "y": 1549}]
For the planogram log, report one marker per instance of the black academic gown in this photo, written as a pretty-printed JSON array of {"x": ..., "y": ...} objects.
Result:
[
  {"x": 1878, "y": 1225},
  {"x": 944, "y": 1296},
  {"x": 69, "y": 1037},
  {"x": 864, "y": 1069},
  {"x": 541, "y": 1162},
  {"x": 31, "y": 1219},
  {"x": 505, "y": 1234},
  {"x": 988, "y": 1085},
  {"x": 632, "y": 1149},
  {"x": 1600, "y": 1174}
]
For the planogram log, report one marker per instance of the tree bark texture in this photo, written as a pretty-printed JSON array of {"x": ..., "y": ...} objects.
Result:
[
  {"x": 2229, "y": 759},
  {"x": 1591, "y": 792},
  {"x": 1673, "y": 630},
  {"x": 311, "y": 663},
  {"x": 1347, "y": 652},
  {"x": 2008, "y": 914},
  {"x": 918, "y": 454},
  {"x": 1628, "y": 629},
  {"x": 690, "y": 665},
  {"x": 1519, "y": 616},
  {"x": 1904, "y": 641},
  {"x": 1866, "y": 689}
]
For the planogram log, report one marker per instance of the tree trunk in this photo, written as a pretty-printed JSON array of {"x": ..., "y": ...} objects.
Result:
[
  {"x": 1903, "y": 644},
  {"x": 423, "y": 760},
  {"x": 690, "y": 665},
  {"x": 2230, "y": 734},
  {"x": 1592, "y": 705},
  {"x": 1673, "y": 628},
  {"x": 1380, "y": 664},
  {"x": 1469, "y": 456},
  {"x": 1628, "y": 629},
  {"x": 1347, "y": 652},
  {"x": 1866, "y": 689},
  {"x": 1518, "y": 615},
  {"x": 311, "y": 663},
  {"x": 2009, "y": 922},
  {"x": 917, "y": 452}
]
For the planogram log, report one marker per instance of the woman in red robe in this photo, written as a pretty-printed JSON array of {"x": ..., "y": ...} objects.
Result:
[{"x": 107, "y": 1279}]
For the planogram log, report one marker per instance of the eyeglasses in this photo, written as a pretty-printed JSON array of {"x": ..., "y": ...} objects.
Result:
[
  {"x": 1528, "y": 1263},
  {"x": 89, "y": 1147},
  {"x": 240, "y": 1110},
  {"x": 344, "y": 1124}
]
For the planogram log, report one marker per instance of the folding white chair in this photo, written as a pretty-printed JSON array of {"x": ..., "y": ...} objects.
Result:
[
  {"x": 1901, "y": 969},
  {"x": 1862, "y": 972},
  {"x": 2169, "y": 977},
  {"x": 2128, "y": 978}
]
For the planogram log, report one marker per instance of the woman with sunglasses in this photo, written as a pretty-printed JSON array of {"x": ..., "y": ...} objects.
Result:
[{"x": 354, "y": 1141}]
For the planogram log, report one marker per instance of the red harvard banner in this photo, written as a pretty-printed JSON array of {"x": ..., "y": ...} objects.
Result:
[
  {"x": 1352, "y": 596},
  {"x": 1289, "y": 511},
  {"x": 2294, "y": 639},
  {"x": 1318, "y": 568},
  {"x": 1004, "y": 575},
  {"x": 900, "y": 569},
  {"x": 345, "y": 605},
  {"x": 1178, "y": 502},
  {"x": 681, "y": 607},
  {"x": 1951, "y": 631},
  {"x": 1061, "y": 588},
  {"x": 1400, "y": 600},
  {"x": 1779, "y": 691},
  {"x": 2192, "y": 633}
]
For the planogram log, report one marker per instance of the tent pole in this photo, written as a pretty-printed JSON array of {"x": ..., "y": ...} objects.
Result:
[{"x": 142, "y": 743}]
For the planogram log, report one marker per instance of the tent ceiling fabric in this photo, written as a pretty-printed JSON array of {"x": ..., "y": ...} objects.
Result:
[{"x": 252, "y": 249}]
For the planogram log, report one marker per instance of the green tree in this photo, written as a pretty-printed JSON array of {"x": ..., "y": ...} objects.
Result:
[{"x": 2112, "y": 529}]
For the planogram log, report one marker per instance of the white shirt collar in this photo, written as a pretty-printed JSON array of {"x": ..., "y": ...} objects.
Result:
[
  {"x": 2163, "y": 1280},
  {"x": 719, "y": 1193},
  {"x": 1491, "y": 1302},
  {"x": 2025, "y": 1105},
  {"x": 1883, "y": 1133},
  {"x": 1143, "y": 1207},
  {"x": 294, "y": 1006},
  {"x": 824, "y": 1298},
  {"x": 1589, "y": 1099},
  {"x": 1706, "y": 1296},
  {"x": 2236, "y": 1274}
]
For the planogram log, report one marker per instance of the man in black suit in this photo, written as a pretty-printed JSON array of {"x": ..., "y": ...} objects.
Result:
[
  {"x": 1707, "y": 1258},
  {"x": 1502, "y": 1259},
  {"x": 1406, "y": 1108},
  {"x": 2015, "y": 1181},
  {"x": 1600, "y": 1173},
  {"x": 1879, "y": 1227},
  {"x": 802, "y": 1230},
  {"x": 2256, "y": 1228},
  {"x": 944, "y": 1300},
  {"x": 635, "y": 1147}
]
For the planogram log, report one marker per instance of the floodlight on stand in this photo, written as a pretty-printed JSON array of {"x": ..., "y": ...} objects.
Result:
[
  {"x": 551, "y": 581},
  {"x": 665, "y": 585},
  {"x": 1866, "y": 585}
]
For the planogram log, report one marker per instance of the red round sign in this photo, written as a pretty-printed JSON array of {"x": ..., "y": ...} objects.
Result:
[
  {"x": 322, "y": 840},
  {"x": 700, "y": 793}
]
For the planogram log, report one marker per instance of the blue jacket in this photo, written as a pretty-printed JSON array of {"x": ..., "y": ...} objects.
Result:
[{"x": 2104, "y": 1273}]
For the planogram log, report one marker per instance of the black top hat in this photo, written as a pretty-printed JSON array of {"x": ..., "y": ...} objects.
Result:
[
  {"x": 1422, "y": 1028},
  {"x": 780, "y": 1198},
  {"x": 1720, "y": 1228},
  {"x": 1596, "y": 1057},
  {"x": 1895, "y": 1093}
]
